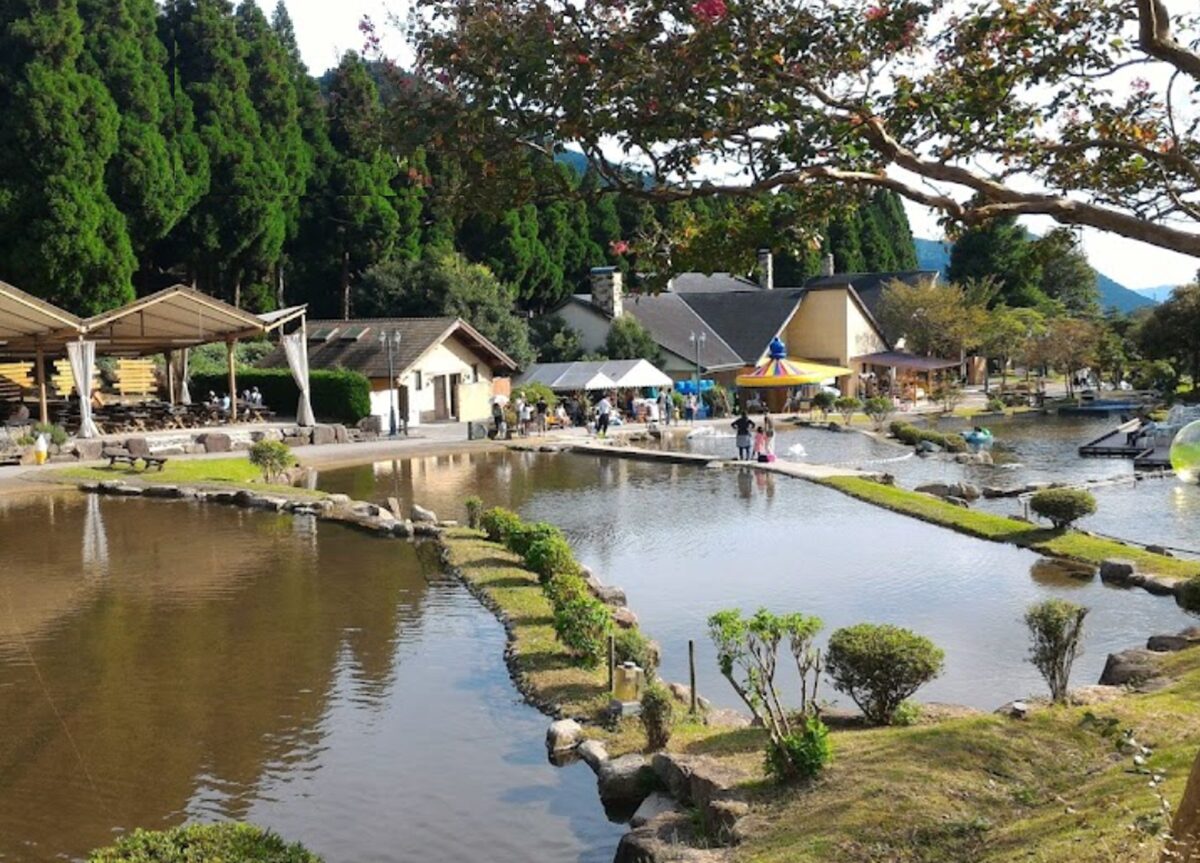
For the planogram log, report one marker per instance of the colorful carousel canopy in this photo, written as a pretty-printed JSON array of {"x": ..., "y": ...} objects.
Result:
[{"x": 780, "y": 371}]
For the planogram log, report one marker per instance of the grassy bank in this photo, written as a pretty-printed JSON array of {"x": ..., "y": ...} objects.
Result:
[
  {"x": 544, "y": 669},
  {"x": 1056, "y": 786},
  {"x": 1000, "y": 528},
  {"x": 233, "y": 471}
]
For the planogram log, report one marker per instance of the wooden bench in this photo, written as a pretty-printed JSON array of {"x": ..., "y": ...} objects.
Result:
[{"x": 124, "y": 456}]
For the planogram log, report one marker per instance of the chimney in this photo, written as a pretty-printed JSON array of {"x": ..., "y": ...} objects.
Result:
[
  {"x": 766, "y": 269},
  {"x": 827, "y": 265},
  {"x": 607, "y": 291}
]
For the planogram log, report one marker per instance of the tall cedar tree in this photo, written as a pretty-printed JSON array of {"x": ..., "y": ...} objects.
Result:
[
  {"x": 1001, "y": 250},
  {"x": 241, "y": 218},
  {"x": 273, "y": 90},
  {"x": 160, "y": 168},
  {"x": 356, "y": 204},
  {"x": 1066, "y": 275},
  {"x": 61, "y": 236}
]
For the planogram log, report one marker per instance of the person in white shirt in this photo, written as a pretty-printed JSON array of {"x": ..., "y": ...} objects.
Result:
[{"x": 603, "y": 414}]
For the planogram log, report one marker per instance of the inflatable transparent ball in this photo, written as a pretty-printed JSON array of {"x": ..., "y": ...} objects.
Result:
[{"x": 1185, "y": 453}]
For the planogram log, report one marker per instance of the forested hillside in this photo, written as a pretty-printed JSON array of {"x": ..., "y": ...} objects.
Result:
[{"x": 144, "y": 145}]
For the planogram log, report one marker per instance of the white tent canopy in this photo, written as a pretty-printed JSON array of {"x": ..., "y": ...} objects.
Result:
[{"x": 596, "y": 375}]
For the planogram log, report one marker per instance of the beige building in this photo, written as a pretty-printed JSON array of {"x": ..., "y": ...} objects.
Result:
[
  {"x": 439, "y": 370},
  {"x": 724, "y": 323}
]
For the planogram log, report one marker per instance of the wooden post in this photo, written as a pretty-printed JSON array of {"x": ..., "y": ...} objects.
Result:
[
  {"x": 39, "y": 368},
  {"x": 169, "y": 356},
  {"x": 692, "y": 673},
  {"x": 231, "y": 344},
  {"x": 612, "y": 663}
]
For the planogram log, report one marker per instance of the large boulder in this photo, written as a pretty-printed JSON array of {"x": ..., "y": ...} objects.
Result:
[
  {"x": 421, "y": 515},
  {"x": 593, "y": 754},
  {"x": 1118, "y": 571},
  {"x": 323, "y": 435},
  {"x": 625, "y": 781},
  {"x": 215, "y": 442},
  {"x": 340, "y": 433},
  {"x": 1130, "y": 668},
  {"x": 665, "y": 839},
  {"x": 937, "y": 489},
  {"x": 88, "y": 450},
  {"x": 625, "y": 618},
  {"x": 1190, "y": 637},
  {"x": 652, "y": 807},
  {"x": 563, "y": 735},
  {"x": 965, "y": 490}
]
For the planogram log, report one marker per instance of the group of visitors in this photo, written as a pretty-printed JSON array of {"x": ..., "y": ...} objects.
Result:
[
  {"x": 252, "y": 397},
  {"x": 755, "y": 442},
  {"x": 668, "y": 411},
  {"x": 532, "y": 417}
]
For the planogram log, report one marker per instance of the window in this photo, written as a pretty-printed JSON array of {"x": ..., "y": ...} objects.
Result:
[
  {"x": 418, "y": 383},
  {"x": 475, "y": 372}
]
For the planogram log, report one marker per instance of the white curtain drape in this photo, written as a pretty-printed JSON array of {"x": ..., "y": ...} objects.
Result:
[
  {"x": 185, "y": 394},
  {"x": 82, "y": 356},
  {"x": 296, "y": 349}
]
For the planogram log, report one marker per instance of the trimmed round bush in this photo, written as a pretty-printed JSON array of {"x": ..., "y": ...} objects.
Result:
[
  {"x": 801, "y": 754},
  {"x": 521, "y": 537},
  {"x": 630, "y": 645},
  {"x": 563, "y": 589},
  {"x": 474, "y": 507},
  {"x": 197, "y": 843},
  {"x": 658, "y": 715},
  {"x": 551, "y": 556},
  {"x": 879, "y": 666},
  {"x": 823, "y": 401},
  {"x": 582, "y": 624},
  {"x": 1062, "y": 507},
  {"x": 498, "y": 523},
  {"x": 272, "y": 457}
]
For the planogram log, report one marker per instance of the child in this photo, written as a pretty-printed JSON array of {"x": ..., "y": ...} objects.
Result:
[{"x": 760, "y": 444}]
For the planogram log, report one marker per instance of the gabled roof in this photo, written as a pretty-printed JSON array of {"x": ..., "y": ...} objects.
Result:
[
  {"x": 596, "y": 374},
  {"x": 702, "y": 283},
  {"x": 869, "y": 286},
  {"x": 172, "y": 318},
  {"x": 356, "y": 344},
  {"x": 25, "y": 319},
  {"x": 747, "y": 320}
]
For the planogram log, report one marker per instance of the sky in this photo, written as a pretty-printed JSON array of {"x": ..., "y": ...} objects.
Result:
[{"x": 327, "y": 28}]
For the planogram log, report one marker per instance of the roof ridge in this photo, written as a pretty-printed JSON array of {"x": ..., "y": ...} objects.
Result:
[{"x": 710, "y": 327}]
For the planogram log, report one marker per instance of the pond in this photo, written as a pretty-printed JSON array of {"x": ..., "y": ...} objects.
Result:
[
  {"x": 685, "y": 542},
  {"x": 166, "y": 662},
  {"x": 1028, "y": 448}
]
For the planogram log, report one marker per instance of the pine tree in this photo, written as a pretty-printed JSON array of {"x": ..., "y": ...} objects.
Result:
[
  {"x": 1000, "y": 250},
  {"x": 61, "y": 236},
  {"x": 160, "y": 167},
  {"x": 241, "y": 216},
  {"x": 843, "y": 243},
  {"x": 879, "y": 255},
  {"x": 899, "y": 231}
]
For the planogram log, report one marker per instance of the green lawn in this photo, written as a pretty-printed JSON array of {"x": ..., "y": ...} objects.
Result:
[
  {"x": 1000, "y": 528},
  {"x": 235, "y": 471},
  {"x": 547, "y": 668}
]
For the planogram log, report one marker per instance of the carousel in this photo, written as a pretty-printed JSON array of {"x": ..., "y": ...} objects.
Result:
[{"x": 784, "y": 382}]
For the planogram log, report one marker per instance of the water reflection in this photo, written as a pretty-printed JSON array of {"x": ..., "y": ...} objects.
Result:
[
  {"x": 685, "y": 542},
  {"x": 331, "y": 686}
]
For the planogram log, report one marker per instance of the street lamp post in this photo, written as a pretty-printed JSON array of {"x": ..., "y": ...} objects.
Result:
[
  {"x": 389, "y": 340},
  {"x": 698, "y": 339}
]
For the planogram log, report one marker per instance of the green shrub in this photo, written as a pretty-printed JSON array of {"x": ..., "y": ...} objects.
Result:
[
  {"x": 272, "y": 457},
  {"x": 337, "y": 394},
  {"x": 498, "y": 523},
  {"x": 1063, "y": 506},
  {"x": 531, "y": 392},
  {"x": 581, "y": 622},
  {"x": 1189, "y": 594},
  {"x": 802, "y": 754},
  {"x": 879, "y": 666},
  {"x": 879, "y": 409},
  {"x": 1055, "y": 627},
  {"x": 521, "y": 537},
  {"x": 995, "y": 405},
  {"x": 550, "y": 556},
  {"x": 823, "y": 401},
  {"x": 204, "y": 843},
  {"x": 55, "y": 434},
  {"x": 907, "y": 713},
  {"x": 847, "y": 406},
  {"x": 630, "y": 645},
  {"x": 717, "y": 401},
  {"x": 474, "y": 512},
  {"x": 658, "y": 715}
]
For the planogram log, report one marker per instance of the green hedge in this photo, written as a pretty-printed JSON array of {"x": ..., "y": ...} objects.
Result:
[
  {"x": 337, "y": 395},
  {"x": 198, "y": 843}
]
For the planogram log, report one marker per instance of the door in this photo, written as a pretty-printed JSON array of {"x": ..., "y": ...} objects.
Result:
[
  {"x": 455, "y": 381},
  {"x": 440, "y": 407}
]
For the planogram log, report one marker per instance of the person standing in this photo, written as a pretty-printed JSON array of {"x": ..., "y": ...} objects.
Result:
[
  {"x": 664, "y": 406},
  {"x": 541, "y": 411},
  {"x": 690, "y": 409},
  {"x": 603, "y": 411},
  {"x": 742, "y": 427}
]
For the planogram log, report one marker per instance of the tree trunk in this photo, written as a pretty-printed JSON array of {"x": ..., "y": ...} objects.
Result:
[
  {"x": 345, "y": 286},
  {"x": 1184, "y": 844}
]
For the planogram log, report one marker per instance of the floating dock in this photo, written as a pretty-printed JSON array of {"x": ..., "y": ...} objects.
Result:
[{"x": 1115, "y": 444}]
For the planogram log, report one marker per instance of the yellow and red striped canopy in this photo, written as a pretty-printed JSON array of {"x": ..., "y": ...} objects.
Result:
[{"x": 783, "y": 372}]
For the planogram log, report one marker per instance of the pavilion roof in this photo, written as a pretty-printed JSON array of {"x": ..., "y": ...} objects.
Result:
[{"x": 26, "y": 320}]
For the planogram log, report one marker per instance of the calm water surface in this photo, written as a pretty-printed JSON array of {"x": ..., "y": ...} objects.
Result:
[
  {"x": 685, "y": 542},
  {"x": 169, "y": 662}
]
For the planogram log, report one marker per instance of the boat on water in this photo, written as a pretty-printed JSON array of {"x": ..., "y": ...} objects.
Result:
[{"x": 978, "y": 437}]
